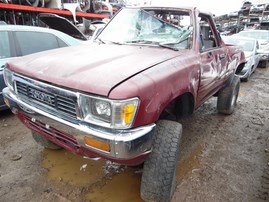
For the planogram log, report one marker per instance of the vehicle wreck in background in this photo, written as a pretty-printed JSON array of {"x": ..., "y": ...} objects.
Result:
[
  {"x": 120, "y": 97},
  {"x": 251, "y": 49},
  {"x": 263, "y": 38},
  {"x": 84, "y": 31},
  {"x": 16, "y": 41}
]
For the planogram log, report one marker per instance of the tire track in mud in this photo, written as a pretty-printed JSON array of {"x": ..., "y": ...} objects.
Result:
[
  {"x": 264, "y": 190},
  {"x": 260, "y": 119},
  {"x": 203, "y": 125},
  {"x": 231, "y": 160}
]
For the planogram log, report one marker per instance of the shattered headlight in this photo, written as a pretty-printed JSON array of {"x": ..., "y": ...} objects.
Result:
[
  {"x": 117, "y": 114},
  {"x": 8, "y": 78}
]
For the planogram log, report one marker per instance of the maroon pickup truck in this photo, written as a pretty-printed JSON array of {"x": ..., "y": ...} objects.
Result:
[{"x": 122, "y": 97}]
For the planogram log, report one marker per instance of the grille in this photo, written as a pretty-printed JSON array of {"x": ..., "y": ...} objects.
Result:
[{"x": 59, "y": 103}]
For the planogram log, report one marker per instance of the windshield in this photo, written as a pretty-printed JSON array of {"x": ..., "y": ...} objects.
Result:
[
  {"x": 156, "y": 27},
  {"x": 257, "y": 35},
  {"x": 246, "y": 44}
]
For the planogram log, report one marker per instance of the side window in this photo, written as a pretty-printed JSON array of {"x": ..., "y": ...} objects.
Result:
[
  {"x": 32, "y": 42},
  {"x": 61, "y": 43},
  {"x": 5, "y": 51},
  {"x": 208, "y": 40}
]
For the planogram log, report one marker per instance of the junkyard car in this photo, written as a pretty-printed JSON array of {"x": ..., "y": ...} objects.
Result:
[
  {"x": 245, "y": 9},
  {"x": 116, "y": 97},
  {"x": 250, "y": 47},
  {"x": 86, "y": 31},
  {"x": 263, "y": 38},
  {"x": 16, "y": 41}
]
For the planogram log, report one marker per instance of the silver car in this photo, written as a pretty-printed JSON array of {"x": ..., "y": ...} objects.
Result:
[
  {"x": 16, "y": 41},
  {"x": 263, "y": 38},
  {"x": 250, "y": 47}
]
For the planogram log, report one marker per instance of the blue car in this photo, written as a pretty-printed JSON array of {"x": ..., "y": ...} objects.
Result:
[{"x": 16, "y": 41}]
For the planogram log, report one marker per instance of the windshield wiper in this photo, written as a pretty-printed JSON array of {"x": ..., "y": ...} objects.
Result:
[
  {"x": 177, "y": 42},
  {"x": 152, "y": 42},
  {"x": 173, "y": 43},
  {"x": 115, "y": 42},
  {"x": 169, "y": 47},
  {"x": 104, "y": 41},
  {"x": 100, "y": 40},
  {"x": 142, "y": 41}
]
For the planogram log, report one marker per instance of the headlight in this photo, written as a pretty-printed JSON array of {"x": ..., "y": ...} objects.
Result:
[
  {"x": 8, "y": 78},
  {"x": 108, "y": 113},
  {"x": 248, "y": 61}
]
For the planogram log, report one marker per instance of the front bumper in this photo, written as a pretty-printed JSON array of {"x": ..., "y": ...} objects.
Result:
[
  {"x": 129, "y": 147},
  {"x": 245, "y": 72},
  {"x": 264, "y": 56},
  {"x": 3, "y": 106}
]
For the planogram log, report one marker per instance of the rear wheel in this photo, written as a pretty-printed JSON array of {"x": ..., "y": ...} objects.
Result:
[
  {"x": 227, "y": 97},
  {"x": 159, "y": 173},
  {"x": 44, "y": 141}
]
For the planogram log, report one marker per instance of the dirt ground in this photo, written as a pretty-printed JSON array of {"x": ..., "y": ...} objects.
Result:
[{"x": 223, "y": 158}]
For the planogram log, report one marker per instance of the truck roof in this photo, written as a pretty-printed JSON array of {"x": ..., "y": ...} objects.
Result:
[{"x": 174, "y": 5}]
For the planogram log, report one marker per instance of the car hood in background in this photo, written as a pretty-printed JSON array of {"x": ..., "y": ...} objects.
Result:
[
  {"x": 95, "y": 68},
  {"x": 248, "y": 54},
  {"x": 62, "y": 24}
]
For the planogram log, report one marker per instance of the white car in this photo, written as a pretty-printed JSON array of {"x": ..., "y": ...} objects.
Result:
[
  {"x": 250, "y": 47},
  {"x": 263, "y": 38},
  {"x": 16, "y": 41}
]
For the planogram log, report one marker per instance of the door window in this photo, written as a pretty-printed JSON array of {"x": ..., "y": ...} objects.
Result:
[
  {"x": 32, "y": 42},
  {"x": 208, "y": 40},
  {"x": 4, "y": 45}
]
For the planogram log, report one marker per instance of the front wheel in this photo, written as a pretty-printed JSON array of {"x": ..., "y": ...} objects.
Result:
[
  {"x": 227, "y": 97},
  {"x": 159, "y": 173}
]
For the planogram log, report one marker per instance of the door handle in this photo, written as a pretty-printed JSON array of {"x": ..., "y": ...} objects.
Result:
[
  {"x": 209, "y": 54},
  {"x": 221, "y": 56}
]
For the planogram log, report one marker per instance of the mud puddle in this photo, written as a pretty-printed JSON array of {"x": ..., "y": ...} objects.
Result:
[
  {"x": 103, "y": 180},
  {"x": 67, "y": 167},
  {"x": 123, "y": 187}
]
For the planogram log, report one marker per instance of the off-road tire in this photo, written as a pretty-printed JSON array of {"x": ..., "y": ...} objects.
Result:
[
  {"x": 159, "y": 173},
  {"x": 44, "y": 142},
  {"x": 227, "y": 97}
]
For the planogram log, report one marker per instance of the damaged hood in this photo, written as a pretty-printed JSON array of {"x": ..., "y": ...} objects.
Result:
[{"x": 95, "y": 68}]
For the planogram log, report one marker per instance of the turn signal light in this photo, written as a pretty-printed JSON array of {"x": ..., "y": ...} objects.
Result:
[
  {"x": 97, "y": 144},
  {"x": 7, "y": 102},
  {"x": 127, "y": 113}
]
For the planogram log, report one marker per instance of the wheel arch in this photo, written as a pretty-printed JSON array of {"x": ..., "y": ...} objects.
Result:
[
  {"x": 180, "y": 107},
  {"x": 240, "y": 67}
]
